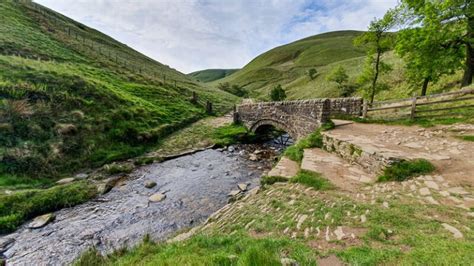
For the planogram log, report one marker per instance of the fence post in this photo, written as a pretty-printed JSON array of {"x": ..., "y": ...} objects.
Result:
[
  {"x": 194, "y": 99},
  {"x": 235, "y": 115},
  {"x": 208, "y": 107},
  {"x": 365, "y": 109},
  {"x": 413, "y": 107}
]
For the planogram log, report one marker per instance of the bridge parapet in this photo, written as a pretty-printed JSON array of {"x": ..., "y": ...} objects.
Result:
[{"x": 298, "y": 118}]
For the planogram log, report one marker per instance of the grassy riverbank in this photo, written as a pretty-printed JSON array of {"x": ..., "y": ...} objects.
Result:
[
  {"x": 69, "y": 105},
  {"x": 266, "y": 229}
]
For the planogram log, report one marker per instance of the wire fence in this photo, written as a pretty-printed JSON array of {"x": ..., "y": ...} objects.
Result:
[{"x": 77, "y": 36}]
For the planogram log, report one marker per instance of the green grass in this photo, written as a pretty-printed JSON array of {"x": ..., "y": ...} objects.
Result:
[
  {"x": 18, "y": 207},
  {"x": 467, "y": 137},
  {"x": 270, "y": 180},
  {"x": 238, "y": 249},
  {"x": 209, "y": 75},
  {"x": 311, "y": 179},
  {"x": 67, "y": 107},
  {"x": 18, "y": 182},
  {"x": 288, "y": 66},
  {"x": 231, "y": 134},
  {"x": 407, "y": 233},
  {"x": 314, "y": 140},
  {"x": 403, "y": 170},
  {"x": 365, "y": 255}
]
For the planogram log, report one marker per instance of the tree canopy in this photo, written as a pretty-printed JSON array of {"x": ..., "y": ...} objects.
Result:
[
  {"x": 277, "y": 93},
  {"x": 377, "y": 40},
  {"x": 441, "y": 29}
]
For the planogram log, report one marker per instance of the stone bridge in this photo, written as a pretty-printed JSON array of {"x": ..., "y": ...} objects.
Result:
[{"x": 297, "y": 118}]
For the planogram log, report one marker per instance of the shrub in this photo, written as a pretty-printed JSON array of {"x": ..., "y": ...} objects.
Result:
[
  {"x": 403, "y": 170},
  {"x": 311, "y": 179},
  {"x": 277, "y": 93}
]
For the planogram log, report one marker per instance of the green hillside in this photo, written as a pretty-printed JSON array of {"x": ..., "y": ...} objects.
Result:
[
  {"x": 72, "y": 97},
  {"x": 209, "y": 75},
  {"x": 288, "y": 65}
]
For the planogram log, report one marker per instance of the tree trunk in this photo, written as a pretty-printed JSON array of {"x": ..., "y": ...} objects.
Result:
[
  {"x": 425, "y": 86},
  {"x": 469, "y": 68},
  {"x": 374, "y": 82}
]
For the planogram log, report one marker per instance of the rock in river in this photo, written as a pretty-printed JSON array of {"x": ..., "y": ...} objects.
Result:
[
  {"x": 150, "y": 184},
  {"x": 157, "y": 197},
  {"x": 242, "y": 186},
  {"x": 41, "y": 221}
]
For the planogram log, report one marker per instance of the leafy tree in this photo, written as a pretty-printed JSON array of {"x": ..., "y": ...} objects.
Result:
[
  {"x": 338, "y": 75},
  {"x": 448, "y": 23},
  {"x": 377, "y": 41},
  {"x": 312, "y": 73},
  {"x": 277, "y": 93},
  {"x": 425, "y": 58}
]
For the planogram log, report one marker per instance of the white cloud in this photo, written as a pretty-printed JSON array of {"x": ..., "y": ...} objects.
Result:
[{"x": 197, "y": 34}]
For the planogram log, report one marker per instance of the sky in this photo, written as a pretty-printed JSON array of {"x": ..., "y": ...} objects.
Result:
[{"x": 192, "y": 35}]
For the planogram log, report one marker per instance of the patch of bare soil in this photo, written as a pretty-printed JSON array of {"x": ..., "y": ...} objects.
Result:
[{"x": 330, "y": 260}]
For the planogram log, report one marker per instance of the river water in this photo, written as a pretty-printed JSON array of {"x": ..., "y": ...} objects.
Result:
[{"x": 195, "y": 186}]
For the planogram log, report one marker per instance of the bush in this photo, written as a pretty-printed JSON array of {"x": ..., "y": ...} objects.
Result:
[
  {"x": 277, "y": 93},
  {"x": 17, "y": 208},
  {"x": 311, "y": 179},
  {"x": 403, "y": 170}
]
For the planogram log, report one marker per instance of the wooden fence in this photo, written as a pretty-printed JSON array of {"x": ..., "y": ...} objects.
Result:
[{"x": 429, "y": 106}]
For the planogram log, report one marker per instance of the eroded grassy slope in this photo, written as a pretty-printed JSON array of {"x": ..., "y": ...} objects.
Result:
[{"x": 71, "y": 101}]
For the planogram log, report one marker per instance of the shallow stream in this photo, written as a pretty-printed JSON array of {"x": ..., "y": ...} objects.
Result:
[{"x": 195, "y": 186}]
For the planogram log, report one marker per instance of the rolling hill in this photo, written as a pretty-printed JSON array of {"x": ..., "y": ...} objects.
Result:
[
  {"x": 209, "y": 75},
  {"x": 288, "y": 66},
  {"x": 72, "y": 97}
]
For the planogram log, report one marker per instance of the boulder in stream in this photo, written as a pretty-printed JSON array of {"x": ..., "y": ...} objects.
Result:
[
  {"x": 157, "y": 197},
  {"x": 242, "y": 186},
  {"x": 150, "y": 184},
  {"x": 41, "y": 221}
]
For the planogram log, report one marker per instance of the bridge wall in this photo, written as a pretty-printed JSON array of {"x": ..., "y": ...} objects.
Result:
[
  {"x": 346, "y": 106},
  {"x": 298, "y": 118}
]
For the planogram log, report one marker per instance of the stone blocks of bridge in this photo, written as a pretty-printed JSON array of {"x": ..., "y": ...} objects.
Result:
[{"x": 297, "y": 118}]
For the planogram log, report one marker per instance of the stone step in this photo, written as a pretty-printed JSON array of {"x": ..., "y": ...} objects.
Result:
[
  {"x": 285, "y": 168},
  {"x": 371, "y": 159},
  {"x": 340, "y": 172}
]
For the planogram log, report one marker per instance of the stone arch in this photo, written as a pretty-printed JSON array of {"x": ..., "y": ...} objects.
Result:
[{"x": 275, "y": 123}]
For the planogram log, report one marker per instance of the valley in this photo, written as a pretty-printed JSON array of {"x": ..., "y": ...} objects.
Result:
[{"x": 110, "y": 157}]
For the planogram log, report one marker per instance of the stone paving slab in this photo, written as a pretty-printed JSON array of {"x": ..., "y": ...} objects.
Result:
[
  {"x": 285, "y": 168},
  {"x": 334, "y": 168},
  {"x": 373, "y": 145}
]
